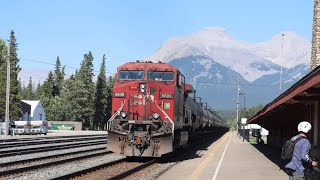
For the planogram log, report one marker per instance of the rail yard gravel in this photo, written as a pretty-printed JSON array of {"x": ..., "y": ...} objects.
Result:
[
  {"x": 58, "y": 170},
  {"x": 31, "y": 163},
  {"x": 151, "y": 172},
  {"x": 34, "y": 155}
]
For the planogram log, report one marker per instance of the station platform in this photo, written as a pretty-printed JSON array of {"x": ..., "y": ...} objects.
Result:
[{"x": 228, "y": 158}]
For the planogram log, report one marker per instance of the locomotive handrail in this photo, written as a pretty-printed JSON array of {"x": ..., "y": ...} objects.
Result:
[
  {"x": 166, "y": 116},
  {"x": 114, "y": 115}
]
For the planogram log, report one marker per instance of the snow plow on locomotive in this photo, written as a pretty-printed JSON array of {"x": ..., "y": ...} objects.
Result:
[{"x": 153, "y": 112}]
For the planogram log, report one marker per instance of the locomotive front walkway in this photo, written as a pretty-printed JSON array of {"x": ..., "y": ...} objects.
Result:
[{"x": 229, "y": 158}]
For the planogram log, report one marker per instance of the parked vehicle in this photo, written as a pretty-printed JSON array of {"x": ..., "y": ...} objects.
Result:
[
  {"x": 22, "y": 127},
  {"x": 31, "y": 127},
  {"x": 39, "y": 127},
  {"x": 20, "y": 130}
]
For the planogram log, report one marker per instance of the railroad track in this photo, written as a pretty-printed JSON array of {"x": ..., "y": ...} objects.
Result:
[
  {"x": 93, "y": 166},
  {"x": 10, "y": 163},
  {"x": 112, "y": 170},
  {"x": 49, "y": 141},
  {"x": 57, "y": 146},
  {"x": 129, "y": 167},
  {"x": 22, "y": 139},
  {"x": 22, "y": 166}
]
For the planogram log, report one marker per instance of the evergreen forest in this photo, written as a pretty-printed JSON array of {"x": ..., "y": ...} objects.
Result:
[{"x": 75, "y": 97}]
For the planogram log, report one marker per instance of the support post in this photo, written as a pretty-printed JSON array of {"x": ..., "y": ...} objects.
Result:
[
  {"x": 316, "y": 124},
  {"x": 238, "y": 94}
]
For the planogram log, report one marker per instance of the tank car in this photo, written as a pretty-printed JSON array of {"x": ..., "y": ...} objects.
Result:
[{"x": 153, "y": 113}]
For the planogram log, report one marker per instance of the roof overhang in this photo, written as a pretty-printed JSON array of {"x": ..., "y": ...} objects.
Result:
[{"x": 306, "y": 90}]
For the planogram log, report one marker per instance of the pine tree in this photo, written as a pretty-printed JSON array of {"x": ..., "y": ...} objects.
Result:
[
  {"x": 15, "y": 107},
  {"x": 58, "y": 78},
  {"x": 55, "y": 109},
  {"x": 38, "y": 92},
  {"x": 29, "y": 90},
  {"x": 23, "y": 91},
  {"x": 47, "y": 86},
  {"x": 74, "y": 100},
  {"x": 20, "y": 88},
  {"x": 47, "y": 91},
  {"x": 109, "y": 96},
  {"x": 85, "y": 75},
  {"x": 100, "y": 113},
  {"x": 3, "y": 78}
]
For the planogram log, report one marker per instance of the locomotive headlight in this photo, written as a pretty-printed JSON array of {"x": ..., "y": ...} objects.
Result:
[
  {"x": 142, "y": 88},
  {"x": 123, "y": 114},
  {"x": 156, "y": 116}
]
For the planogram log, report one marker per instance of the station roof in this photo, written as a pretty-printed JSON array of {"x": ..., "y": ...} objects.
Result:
[{"x": 287, "y": 106}]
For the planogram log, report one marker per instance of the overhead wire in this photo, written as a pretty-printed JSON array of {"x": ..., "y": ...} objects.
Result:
[{"x": 48, "y": 63}]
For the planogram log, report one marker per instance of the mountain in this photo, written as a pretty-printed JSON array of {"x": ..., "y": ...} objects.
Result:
[{"x": 212, "y": 60}]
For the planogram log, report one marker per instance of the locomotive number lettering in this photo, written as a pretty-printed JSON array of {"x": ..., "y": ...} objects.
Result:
[{"x": 166, "y": 96}]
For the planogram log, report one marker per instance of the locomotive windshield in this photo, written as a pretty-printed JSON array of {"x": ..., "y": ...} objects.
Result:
[
  {"x": 131, "y": 75},
  {"x": 160, "y": 75}
]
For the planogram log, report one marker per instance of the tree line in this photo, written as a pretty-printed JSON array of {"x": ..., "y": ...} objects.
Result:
[
  {"x": 74, "y": 98},
  {"x": 231, "y": 117}
]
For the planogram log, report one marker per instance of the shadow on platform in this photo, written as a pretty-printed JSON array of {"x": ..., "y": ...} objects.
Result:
[{"x": 194, "y": 151}]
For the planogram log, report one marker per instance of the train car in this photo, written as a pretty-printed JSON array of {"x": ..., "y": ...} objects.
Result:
[{"x": 153, "y": 113}]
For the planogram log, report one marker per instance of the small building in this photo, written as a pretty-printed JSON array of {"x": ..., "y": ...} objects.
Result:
[
  {"x": 65, "y": 125},
  {"x": 32, "y": 110}
]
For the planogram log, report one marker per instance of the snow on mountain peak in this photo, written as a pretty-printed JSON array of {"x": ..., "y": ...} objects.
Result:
[
  {"x": 250, "y": 60},
  {"x": 287, "y": 49}
]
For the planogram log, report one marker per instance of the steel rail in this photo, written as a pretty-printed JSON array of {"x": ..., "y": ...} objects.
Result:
[
  {"x": 107, "y": 165},
  {"x": 48, "y": 148},
  {"x": 47, "y": 141},
  {"x": 42, "y": 165},
  {"x": 88, "y": 170},
  {"x": 50, "y": 156},
  {"x": 133, "y": 170},
  {"x": 47, "y": 137}
]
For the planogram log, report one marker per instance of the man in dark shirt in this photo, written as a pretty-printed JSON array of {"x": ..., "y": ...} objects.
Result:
[{"x": 300, "y": 158}]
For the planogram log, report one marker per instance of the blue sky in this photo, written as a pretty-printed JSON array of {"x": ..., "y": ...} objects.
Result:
[{"x": 131, "y": 30}]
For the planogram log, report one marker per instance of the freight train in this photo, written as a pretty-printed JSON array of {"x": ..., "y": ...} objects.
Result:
[{"x": 154, "y": 112}]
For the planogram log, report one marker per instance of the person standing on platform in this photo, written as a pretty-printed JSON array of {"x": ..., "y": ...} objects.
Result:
[{"x": 300, "y": 159}]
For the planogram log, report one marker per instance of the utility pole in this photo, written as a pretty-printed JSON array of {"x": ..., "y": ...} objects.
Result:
[
  {"x": 281, "y": 65},
  {"x": 238, "y": 94},
  {"x": 244, "y": 105},
  {"x": 7, "y": 94}
]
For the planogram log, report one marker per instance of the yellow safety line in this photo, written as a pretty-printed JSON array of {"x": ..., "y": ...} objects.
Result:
[{"x": 207, "y": 159}]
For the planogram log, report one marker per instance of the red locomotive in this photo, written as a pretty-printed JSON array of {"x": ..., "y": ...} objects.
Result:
[{"x": 153, "y": 112}]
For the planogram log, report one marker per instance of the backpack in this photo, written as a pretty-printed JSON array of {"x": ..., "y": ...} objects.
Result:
[{"x": 288, "y": 148}]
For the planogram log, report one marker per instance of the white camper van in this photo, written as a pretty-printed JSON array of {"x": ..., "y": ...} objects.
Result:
[
  {"x": 39, "y": 127},
  {"x": 21, "y": 127}
]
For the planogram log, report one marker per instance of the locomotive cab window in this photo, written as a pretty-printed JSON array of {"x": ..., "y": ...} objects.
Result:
[
  {"x": 131, "y": 75},
  {"x": 160, "y": 76},
  {"x": 180, "y": 80}
]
